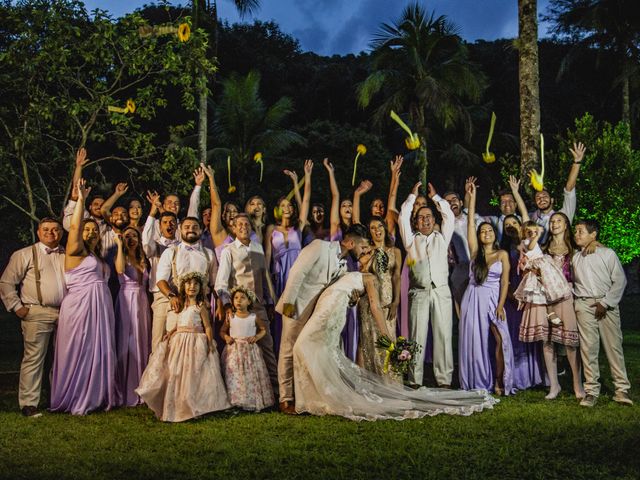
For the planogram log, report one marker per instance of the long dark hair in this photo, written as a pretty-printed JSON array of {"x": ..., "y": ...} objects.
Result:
[
  {"x": 387, "y": 237},
  {"x": 138, "y": 254},
  {"x": 98, "y": 250},
  {"x": 480, "y": 267},
  {"x": 182, "y": 294},
  {"x": 566, "y": 237},
  {"x": 506, "y": 242}
]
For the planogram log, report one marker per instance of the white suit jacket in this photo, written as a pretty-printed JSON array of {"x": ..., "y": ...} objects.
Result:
[{"x": 317, "y": 265}]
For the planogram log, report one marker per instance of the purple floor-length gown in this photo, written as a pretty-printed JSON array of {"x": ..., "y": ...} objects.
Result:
[
  {"x": 528, "y": 368},
  {"x": 84, "y": 364},
  {"x": 133, "y": 333},
  {"x": 283, "y": 255},
  {"x": 476, "y": 346}
]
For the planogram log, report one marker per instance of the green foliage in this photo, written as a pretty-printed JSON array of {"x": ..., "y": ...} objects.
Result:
[{"x": 609, "y": 183}]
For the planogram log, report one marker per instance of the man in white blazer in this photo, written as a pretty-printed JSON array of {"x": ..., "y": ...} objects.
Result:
[
  {"x": 318, "y": 265},
  {"x": 429, "y": 293}
]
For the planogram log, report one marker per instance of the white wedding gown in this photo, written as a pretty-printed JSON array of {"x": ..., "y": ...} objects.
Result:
[{"x": 328, "y": 383}]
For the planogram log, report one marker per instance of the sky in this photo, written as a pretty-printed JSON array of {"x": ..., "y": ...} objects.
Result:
[{"x": 329, "y": 27}]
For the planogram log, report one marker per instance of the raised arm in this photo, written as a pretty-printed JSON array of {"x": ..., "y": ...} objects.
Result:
[
  {"x": 218, "y": 232},
  {"x": 81, "y": 161},
  {"x": 514, "y": 183},
  {"x": 148, "y": 232},
  {"x": 371, "y": 289},
  {"x": 448, "y": 218},
  {"x": 194, "y": 200},
  {"x": 306, "y": 198},
  {"x": 334, "y": 216},
  {"x": 105, "y": 209},
  {"x": 406, "y": 232},
  {"x": 293, "y": 175},
  {"x": 391, "y": 217},
  {"x": 578, "y": 155},
  {"x": 472, "y": 238},
  {"x": 75, "y": 243},
  {"x": 363, "y": 188}
]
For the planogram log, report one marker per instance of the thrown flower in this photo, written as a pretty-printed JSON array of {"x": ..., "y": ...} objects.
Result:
[
  {"x": 487, "y": 156},
  {"x": 360, "y": 150},
  {"x": 130, "y": 107},
  {"x": 231, "y": 188},
  {"x": 184, "y": 32},
  {"x": 412, "y": 141},
  {"x": 537, "y": 179},
  {"x": 258, "y": 159}
]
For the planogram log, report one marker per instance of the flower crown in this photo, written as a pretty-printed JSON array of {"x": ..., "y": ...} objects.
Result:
[
  {"x": 249, "y": 293},
  {"x": 189, "y": 276}
]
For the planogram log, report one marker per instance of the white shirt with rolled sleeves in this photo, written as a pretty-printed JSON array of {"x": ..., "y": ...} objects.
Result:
[
  {"x": 543, "y": 219},
  {"x": 428, "y": 250},
  {"x": 153, "y": 249},
  {"x": 189, "y": 258},
  {"x": 20, "y": 271},
  {"x": 599, "y": 276},
  {"x": 192, "y": 211}
]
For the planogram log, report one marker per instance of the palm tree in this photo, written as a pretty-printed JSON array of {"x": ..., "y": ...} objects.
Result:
[
  {"x": 529, "y": 84},
  {"x": 608, "y": 25},
  {"x": 203, "y": 12},
  {"x": 245, "y": 125},
  {"x": 421, "y": 69}
]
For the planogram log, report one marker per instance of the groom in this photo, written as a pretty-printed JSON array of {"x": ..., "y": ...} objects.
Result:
[{"x": 318, "y": 265}]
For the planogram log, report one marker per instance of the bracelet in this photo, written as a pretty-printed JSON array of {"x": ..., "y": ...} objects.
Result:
[{"x": 577, "y": 163}]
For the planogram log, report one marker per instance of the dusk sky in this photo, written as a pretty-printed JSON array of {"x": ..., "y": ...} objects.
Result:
[{"x": 346, "y": 26}]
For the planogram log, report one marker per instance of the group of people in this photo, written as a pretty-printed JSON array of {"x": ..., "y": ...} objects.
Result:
[{"x": 296, "y": 308}]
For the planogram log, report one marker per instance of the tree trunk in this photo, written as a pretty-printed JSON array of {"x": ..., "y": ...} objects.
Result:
[
  {"x": 202, "y": 122},
  {"x": 626, "y": 109},
  {"x": 529, "y": 87},
  {"x": 27, "y": 185}
]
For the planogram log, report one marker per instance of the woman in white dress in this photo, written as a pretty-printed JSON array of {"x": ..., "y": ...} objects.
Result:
[{"x": 328, "y": 383}]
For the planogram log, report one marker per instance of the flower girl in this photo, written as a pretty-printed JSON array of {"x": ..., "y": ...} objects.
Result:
[
  {"x": 183, "y": 378},
  {"x": 244, "y": 368}
]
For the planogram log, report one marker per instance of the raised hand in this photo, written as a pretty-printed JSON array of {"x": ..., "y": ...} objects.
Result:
[
  {"x": 208, "y": 170},
  {"x": 329, "y": 166},
  {"x": 514, "y": 183},
  {"x": 469, "y": 180},
  {"x": 364, "y": 187},
  {"x": 396, "y": 164},
  {"x": 292, "y": 175},
  {"x": 578, "y": 152},
  {"x": 198, "y": 175},
  {"x": 416, "y": 188},
  {"x": 470, "y": 188},
  {"x": 83, "y": 190},
  {"x": 431, "y": 191},
  {"x": 81, "y": 157},
  {"x": 308, "y": 167},
  {"x": 121, "y": 189}
]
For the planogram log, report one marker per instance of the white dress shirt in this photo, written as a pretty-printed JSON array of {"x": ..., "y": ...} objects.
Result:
[
  {"x": 600, "y": 276},
  {"x": 543, "y": 219},
  {"x": 429, "y": 253},
  {"x": 193, "y": 211},
  {"x": 189, "y": 258},
  {"x": 20, "y": 272},
  {"x": 153, "y": 249}
]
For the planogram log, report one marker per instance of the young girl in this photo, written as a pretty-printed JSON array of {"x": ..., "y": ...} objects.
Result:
[
  {"x": 183, "y": 378},
  {"x": 244, "y": 369},
  {"x": 542, "y": 284}
]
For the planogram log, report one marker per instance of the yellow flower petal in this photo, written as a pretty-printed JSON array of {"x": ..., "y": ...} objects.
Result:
[
  {"x": 257, "y": 157},
  {"x": 131, "y": 106},
  {"x": 231, "y": 189},
  {"x": 361, "y": 149},
  {"x": 489, "y": 157},
  {"x": 537, "y": 182},
  {"x": 412, "y": 142},
  {"x": 184, "y": 32}
]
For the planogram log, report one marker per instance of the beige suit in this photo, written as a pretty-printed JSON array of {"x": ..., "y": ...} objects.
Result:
[
  {"x": 316, "y": 267},
  {"x": 43, "y": 302}
]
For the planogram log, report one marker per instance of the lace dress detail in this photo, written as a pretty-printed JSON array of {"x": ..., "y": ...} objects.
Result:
[{"x": 328, "y": 383}]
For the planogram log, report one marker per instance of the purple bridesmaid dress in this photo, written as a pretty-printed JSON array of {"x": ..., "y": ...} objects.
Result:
[
  {"x": 476, "y": 345},
  {"x": 283, "y": 255},
  {"x": 528, "y": 368},
  {"x": 84, "y": 364},
  {"x": 133, "y": 333}
]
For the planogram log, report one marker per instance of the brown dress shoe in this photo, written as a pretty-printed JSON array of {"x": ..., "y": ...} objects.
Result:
[{"x": 288, "y": 407}]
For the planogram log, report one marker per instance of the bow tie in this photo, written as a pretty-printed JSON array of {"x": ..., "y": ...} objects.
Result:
[
  {"x": 52, "y": 250},
  {"x": 192, "y": 248}
]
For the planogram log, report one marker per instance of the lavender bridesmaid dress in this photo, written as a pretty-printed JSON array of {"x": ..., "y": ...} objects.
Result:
[
  {"x": 84, "y": 364},
  {"x": 476, "y": 346},
  {"x": 133, "y": 333},
  {"x": 283, "y": 255},
  {"x": 528, "y": 369}
]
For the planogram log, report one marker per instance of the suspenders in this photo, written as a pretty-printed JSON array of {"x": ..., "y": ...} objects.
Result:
[
  {"x": 34, "y": 253},
  {"x": 174, "y": 269}
]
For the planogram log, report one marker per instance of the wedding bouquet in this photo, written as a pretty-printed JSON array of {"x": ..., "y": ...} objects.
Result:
[{"x": 400, "y": 356}]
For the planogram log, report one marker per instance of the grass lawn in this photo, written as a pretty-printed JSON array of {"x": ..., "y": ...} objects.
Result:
[{"x": 523, "y": 437}]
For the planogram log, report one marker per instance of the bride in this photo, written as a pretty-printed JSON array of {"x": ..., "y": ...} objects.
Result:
[{"x": 328, "y": 383}]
